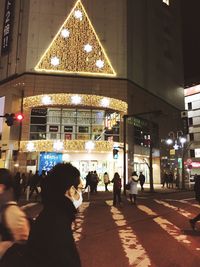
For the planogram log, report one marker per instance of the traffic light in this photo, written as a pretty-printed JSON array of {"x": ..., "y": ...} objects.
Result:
[
  {"x": 19, "y": 117},
  {"x": 9, "y": 119},
  {"x": 115, "y": 153}
]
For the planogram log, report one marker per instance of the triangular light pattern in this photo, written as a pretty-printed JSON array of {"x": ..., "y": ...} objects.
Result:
[{"x": 76, "y": 48}]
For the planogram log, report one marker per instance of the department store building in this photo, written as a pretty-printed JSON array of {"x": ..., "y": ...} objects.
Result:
[{"x": 75, "y": 68}]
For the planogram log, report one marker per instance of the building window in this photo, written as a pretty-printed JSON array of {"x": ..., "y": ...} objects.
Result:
[
  {"x": 74, "y": 124},
  {"x": 166, "y": 2},
  {"x": 191, "y": 137},
  {"x": 190, "y": 120},
  {"x": 190, "y": 105}
]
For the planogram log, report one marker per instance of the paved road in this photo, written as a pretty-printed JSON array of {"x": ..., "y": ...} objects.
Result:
[{"x": 154, "y": 233}]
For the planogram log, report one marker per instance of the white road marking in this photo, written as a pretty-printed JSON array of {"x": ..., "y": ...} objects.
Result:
[{"x": 135, "y": 252}]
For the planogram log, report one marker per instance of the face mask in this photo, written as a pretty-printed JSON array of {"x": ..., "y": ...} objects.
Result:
[{"x": 78, "y": 202}]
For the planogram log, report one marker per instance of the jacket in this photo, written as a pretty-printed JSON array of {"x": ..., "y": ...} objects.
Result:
[{"x": 51, "y": 241}]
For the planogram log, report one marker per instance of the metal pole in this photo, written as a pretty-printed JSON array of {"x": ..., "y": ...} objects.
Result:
[
  {"x": 151, "y": 167},
  {"x": 124, "y": 150}
]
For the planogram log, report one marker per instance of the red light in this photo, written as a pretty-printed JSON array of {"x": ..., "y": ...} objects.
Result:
[{"x": 19, "y": 117}]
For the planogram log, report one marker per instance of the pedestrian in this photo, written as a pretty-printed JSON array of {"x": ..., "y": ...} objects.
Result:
[
  {"x": 197, "y": 196},
  {"x": 117, "y": 184},
  {"x": 14, "y": 226},
  {"x": 106, "y": 180},
  {"x": 24, "y": 180},
  {"x": 133, "y": 180},
  {"x": 17, "y": 186},
  {"x": 142, "y": 181},
  {"x": 34, "y": 184},
  {"x": 51, "y": 242},
  {"x": 96, "y": 181},
  {"x": 165, "y": 179},
  {"x": 88, "y": 180},
  {"x": 171, "y": 180}
]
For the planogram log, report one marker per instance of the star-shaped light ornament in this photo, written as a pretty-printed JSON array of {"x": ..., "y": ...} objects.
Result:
[
  {"x": 55, "y": 61},
  {"x": 46, "y": 100},
  {"x": 30, "y": 147},
  {"x": 76, "y": 99},
  {"x": 176, "y": 147},
  {"x": 105, "y": 102},
  {"x": 58, "y": 145},
  {"x": 100, "y": 63},
  {"x": 65, "y": 33},
  {"x": 88, "y": 48},
  {"x": 78, "y": 14}
]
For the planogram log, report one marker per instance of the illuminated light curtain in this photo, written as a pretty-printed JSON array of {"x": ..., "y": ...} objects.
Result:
[{"x": 76, "y": 48}]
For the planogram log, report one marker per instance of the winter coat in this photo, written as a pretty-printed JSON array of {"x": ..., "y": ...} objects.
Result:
[
  {"x": 133, "y": 180},
  {"x": 106, "y": 178},
  {"x": 51, "y": 241}
]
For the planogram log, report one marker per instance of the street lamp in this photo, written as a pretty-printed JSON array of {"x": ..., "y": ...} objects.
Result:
[
  {"x": 178, "y": 141},
  {"x": 125, "y": 117}
]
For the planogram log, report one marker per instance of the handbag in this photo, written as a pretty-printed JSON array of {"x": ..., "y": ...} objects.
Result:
[{"x": 127, "y": 187}]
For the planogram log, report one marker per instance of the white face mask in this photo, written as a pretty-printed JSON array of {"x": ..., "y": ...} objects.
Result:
[{"x": 78, "y": 202}]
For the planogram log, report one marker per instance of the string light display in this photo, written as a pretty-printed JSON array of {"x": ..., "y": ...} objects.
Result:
[
  {"x": 81, "y": 100},
  {"x": 67, "y": 146},
  {"x": 76, "y": 48}
]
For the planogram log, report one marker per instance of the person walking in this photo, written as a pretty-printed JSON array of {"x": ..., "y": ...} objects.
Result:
[
  {"x": 197, "y": 196},
  {"x": 117, "y": 184},
  {"x": 133, "y": 181},
  {"x": 17, "y": 186},
  {"x": 34, "y": 183},
  {"x": 14, "y": 226},
  {"x": 142, "y": 181},
  {"x": 106, "y": 180},
  {"x": 51, "y": 242}
]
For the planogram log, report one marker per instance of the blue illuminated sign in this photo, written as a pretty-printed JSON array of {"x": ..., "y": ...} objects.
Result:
[{"x": 48, "y": 160}]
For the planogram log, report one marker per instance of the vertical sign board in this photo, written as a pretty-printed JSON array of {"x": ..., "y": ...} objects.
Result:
[
  {"x": 7, "y": 26},
  {"x": 48, "y": 160}
]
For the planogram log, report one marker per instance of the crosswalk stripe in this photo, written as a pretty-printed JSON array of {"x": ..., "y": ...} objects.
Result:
[
  {"x": 177, "y": 209},
  {"x": 137, "y": 256},
  {"x": 170, "y": 228},
  {"x": 77, "y": 225}
]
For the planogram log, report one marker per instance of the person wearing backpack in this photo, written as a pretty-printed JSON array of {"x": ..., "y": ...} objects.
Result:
[
  {"x": 117, "y": 184},
  {"x": 14, "y": 226}
]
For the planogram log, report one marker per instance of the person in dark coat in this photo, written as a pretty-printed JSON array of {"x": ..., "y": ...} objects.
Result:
[
  {"x": 142, "y": 181},
  {"x": 51, "y": 241},
  {"x": 197, "y": 196},
  {"x": 117, "y": 184}
]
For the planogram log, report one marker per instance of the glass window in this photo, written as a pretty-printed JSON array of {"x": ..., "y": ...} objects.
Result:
[{"x": 69, "y": 124}]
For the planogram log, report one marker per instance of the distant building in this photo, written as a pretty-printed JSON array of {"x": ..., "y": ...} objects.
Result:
[
  {"x": 74, "y": 68},
  {"x": 192, "y": 105}
]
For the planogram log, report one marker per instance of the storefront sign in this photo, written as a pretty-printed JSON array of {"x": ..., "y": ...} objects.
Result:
[
  {"x": 48, "y": 160},
  {"x": 68, "y": 129},
  {"x": 53, "y": 128},
  {"x": 7, "y": 26}
]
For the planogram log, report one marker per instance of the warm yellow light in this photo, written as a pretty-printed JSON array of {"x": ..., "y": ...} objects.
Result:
[
  {"x": 76, "y": 48},
  {"x": 68, "y": 146},
  {"x": 81, "y": 100}
]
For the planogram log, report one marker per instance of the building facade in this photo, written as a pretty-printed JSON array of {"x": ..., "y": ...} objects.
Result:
[
  {"x": 192, "y": 106},
  {"x": 74, "y": 68}
]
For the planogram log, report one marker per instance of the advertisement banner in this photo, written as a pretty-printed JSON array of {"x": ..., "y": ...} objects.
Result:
[
  {"x": 7, "y": 26},
  {"x": 48, "y": 160}
]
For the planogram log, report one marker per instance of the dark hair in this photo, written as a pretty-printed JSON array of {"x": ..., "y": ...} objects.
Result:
[
  {"x": 60, "y": 179},
  {"x": 116, "y": 175},
  {"x": 134, "y": 173},
  {"x": 5, "y": 178}
]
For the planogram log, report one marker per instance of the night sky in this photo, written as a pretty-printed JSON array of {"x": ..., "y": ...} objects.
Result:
[{"x": 191, "y": 40}]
